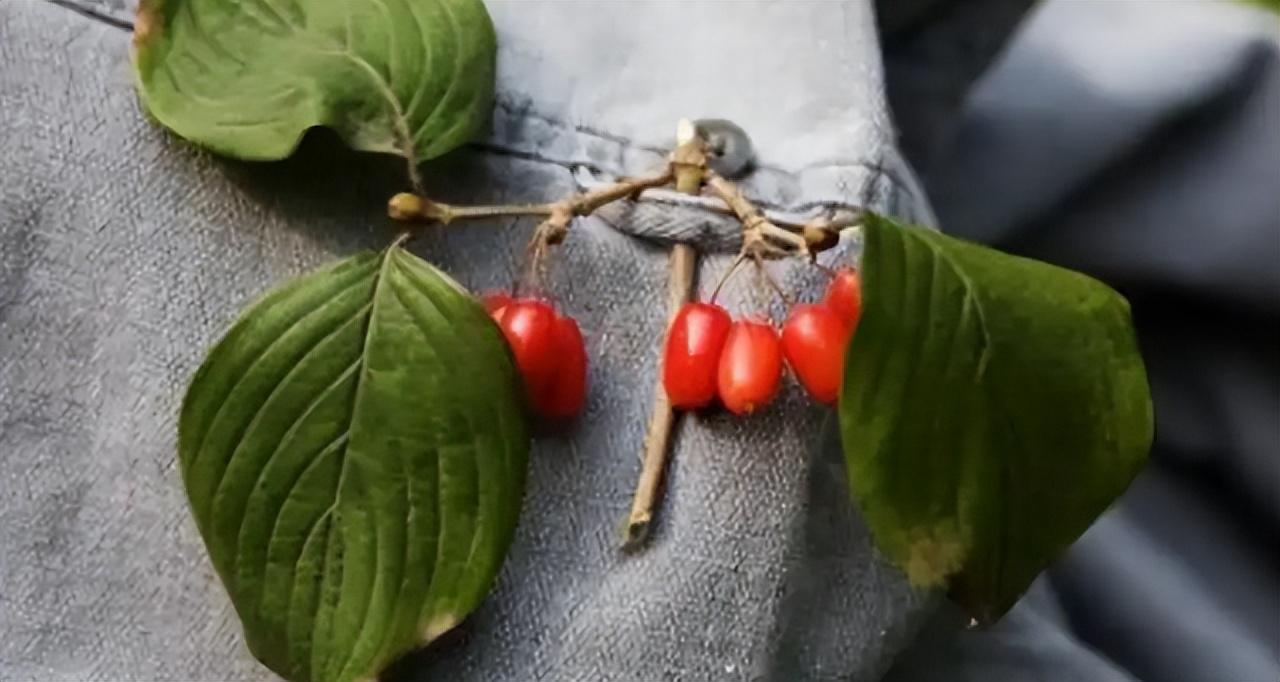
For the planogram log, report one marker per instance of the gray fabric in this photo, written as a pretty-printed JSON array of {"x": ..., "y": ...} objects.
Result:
[
  {"x": 1032, "y": 643},
  {"x": 934, "y": 50},
  {"x": 1138, "y": 142},
  {"x": 124, "y": 252}
]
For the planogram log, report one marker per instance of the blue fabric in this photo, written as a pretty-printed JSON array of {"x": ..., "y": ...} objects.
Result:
[
  {"x": 124, "y": 253},
  {"x": 1134, "y": 140},
  {"x": 1140, "y": 142}
]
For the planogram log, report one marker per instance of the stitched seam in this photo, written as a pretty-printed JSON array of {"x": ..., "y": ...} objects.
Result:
[
  {"x": 527, "y": 112},
  {"x": 876, "y": 168}
]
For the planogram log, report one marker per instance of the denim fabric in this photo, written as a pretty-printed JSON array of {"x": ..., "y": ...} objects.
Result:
[
  {"x": 1138, "y": 142},
  {"x": 125, "y": 252}
]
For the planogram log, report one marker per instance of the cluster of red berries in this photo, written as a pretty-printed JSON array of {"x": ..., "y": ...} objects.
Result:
[
  {"x": 548, "y": 351},
  {"x": 709, "y": 356}
]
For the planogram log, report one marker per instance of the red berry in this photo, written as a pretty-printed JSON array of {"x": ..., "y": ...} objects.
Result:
[
  {"x": 692, "y": 354},
  {"x": 494, "y": 302},
  {"x": 529, "y": 326},
  {"x": 750, "y": 367},
  {"x": 844, "y": 295},
  {"x": 813, "y": 340},
  {"x": 549, "y": 354},
  {"x": 568, "y": 389}
]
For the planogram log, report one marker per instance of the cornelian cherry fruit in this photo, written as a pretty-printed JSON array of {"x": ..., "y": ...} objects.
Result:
[
  {"x": 750, "y": 367},
  {"x": 813, "y": 341},
  {"x": 549, "y": 354},
  {"x": 568, "y": 390},
  {"x": 529, "y": 327},
  {"x": 844, "y": 295},
  {"x": 691, "y": 358},
  {"x": 495, "y": 301}
]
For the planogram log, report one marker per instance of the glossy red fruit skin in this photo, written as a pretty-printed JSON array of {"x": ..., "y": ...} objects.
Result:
[
  {"x": 530, "y": 329},
  {"x": 691, "y": 357},
  {"x": 750, "y": 367},
  {"x": 494, "y": 302},
  {"x": 567, "y": 392},
  {"x": 813, "y": 342},
  {"x": 844, "y": 296}
]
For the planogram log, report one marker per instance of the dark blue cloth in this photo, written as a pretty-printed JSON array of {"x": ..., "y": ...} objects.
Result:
[{"x": 1140, "y": 142}]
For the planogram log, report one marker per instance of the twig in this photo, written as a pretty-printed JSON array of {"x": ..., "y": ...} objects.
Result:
[
  {"x": 584, "y": 204},
  {"x": 407, "y": 206},
  {"x": 415, "y": 178},
  {"x": 818, "y": 234},
  {"x": 760, "y": 237},
  {"x": 657, "y": 439},
  {"x": 555, "y": 227},
  {"x": 773, "y": 283},
  {"x": 687, "y": 166},
  {"x": 688, "y": 161},
  {"x": 727, "y": 274},
  {"x": 843, "y": 220},
  {"x": 825, "y": 269}
]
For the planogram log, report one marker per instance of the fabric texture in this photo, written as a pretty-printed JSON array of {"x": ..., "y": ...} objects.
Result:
[
  {"x": 125, "y": 252},
  {"x": 1140, "y": 142}
]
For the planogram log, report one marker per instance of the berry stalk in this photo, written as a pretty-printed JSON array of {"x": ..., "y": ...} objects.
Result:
[{"x": 657, "y": 439}]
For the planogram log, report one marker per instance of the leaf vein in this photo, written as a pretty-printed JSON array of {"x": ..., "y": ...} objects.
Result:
[
  {"x": 970, "y": 290},
  {"x": 261, "y": 408},
  {"x": 453, "y": 82},
  {"x": 283, "y": 334},
  {"x": 392, "y": 51},
  {"x": 335, "y": 445},
  {"x": 441, "y": 534},
  {"x": 289, "y": 434},
  {"x": 274, "y": 14},
  {"x": 477, "y": 535},
  {"x": 411, "y": 108},
  {"x": 362, "y": 386},
  {"x": 376, "y": 578},
  {"x": 293, "y": 591}
]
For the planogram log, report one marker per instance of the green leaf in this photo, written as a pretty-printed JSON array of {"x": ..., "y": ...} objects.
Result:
[
  {"x": 1269, "y": 5},
  {"x": 354, "y": 452},
  {"x": 992, "y": 408},
  {"x": 248, "y": 78}
]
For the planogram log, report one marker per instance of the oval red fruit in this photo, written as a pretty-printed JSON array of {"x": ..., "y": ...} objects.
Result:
[
  {"x": 844, "y": 295},
  {"x": 530, "y": 329},
  {"x": 750, "y": 367},
  {"x": 691, "y": 358},
  {"x": 568, "y": 389},
  {"x": 494, "y": 302},
  {"x": 813, "y": 341}
]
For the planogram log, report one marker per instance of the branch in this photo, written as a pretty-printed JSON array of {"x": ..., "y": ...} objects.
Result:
[
  {"x": 779, "y": 237},
  {"x": 407, "y": 206},
  {"x": 688, "y": 166},
  {"x": 585, "y": 204},
  {"x": 760, "y": 237},
  {"x": 413, "y": 207},
  {"x": 823, "y": 224},
  {"x": 657, "y": 439}
]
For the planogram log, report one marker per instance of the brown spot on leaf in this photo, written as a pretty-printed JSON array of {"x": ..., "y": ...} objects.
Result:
[
  {"x": 438, "y": 625},
  {"x": 935, "y": 554},
  {"x": 146, "y": 24}
]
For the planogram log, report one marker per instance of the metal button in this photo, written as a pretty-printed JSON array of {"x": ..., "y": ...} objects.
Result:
[{"x": 729, "y": 146}]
